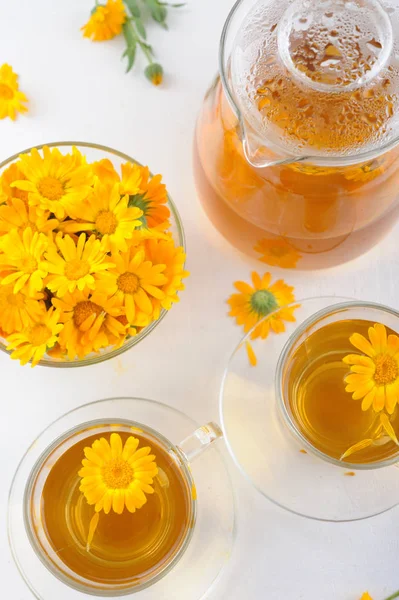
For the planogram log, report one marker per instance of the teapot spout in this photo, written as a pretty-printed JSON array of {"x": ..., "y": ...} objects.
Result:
[{"x": 261, "y": 157}]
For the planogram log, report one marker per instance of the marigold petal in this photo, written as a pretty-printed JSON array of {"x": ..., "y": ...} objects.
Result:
[
  {"x": 251, "y": 354},
  {"x": 392, "y": 397},
  {"x": 356, "y": 448},
  {"x": 93, "y": 456},
  {"x": 363, "y": 389},
  {"x": 369, "y": 399},
  {"x": 385, "y": 422},
  {"x": 116, "y": 445},
  {"x": 379, "y": 400},
  {"x": 118, "y": 501},
  {"x": 92, "y": 528},
  {"x": 360, "y": 342}
]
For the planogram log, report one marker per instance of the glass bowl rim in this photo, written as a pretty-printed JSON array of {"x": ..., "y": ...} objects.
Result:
[{"x": 101, "y": 357}]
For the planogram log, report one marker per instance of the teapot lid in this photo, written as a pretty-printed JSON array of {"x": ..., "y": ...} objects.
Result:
[{"x": 319, "y": 77}]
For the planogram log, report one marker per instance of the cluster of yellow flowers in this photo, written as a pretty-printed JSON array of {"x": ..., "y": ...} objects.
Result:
[{"x": 86, "y": 255}]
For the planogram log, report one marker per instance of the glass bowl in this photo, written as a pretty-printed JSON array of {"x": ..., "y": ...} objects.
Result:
[
  {"x": 93, "y": 153},
  {"x": 269, "y": 448}
]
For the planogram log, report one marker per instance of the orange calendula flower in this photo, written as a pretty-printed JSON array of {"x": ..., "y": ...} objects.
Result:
[
  {"x": 278, "y": 253},
  {"x": 105, "y": 171},
  {"x": 366, "y": 596},
  {"x": 374, "y": 376},
  {"x": 12, "y": 101},
  {"x": 106, "y": 21},
  {"x": 146, "y": 193}
]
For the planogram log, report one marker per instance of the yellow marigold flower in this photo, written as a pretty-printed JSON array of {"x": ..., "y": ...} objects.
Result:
[
  {"x": 115, "y": 476},
  {"x": 133, "y": 281},
  {"x": 278, "y": 253},
  {"x": 105, "y": 171},
  {"x": 374, "y": 377},
  {"x": 17, "y": 312},
  {"x": 90, "y": 322},
  {"x": 146, "y": 193},
  {"x": 18, "y": 215},
  {"x": 32, "y": 343},
  {"x": 9, "y": 176},
  {"x": 105, "y": 22},
  {"x": 108, "y": 214},
  {"x": 55, "y": 182},
  {"x": 164, "y": 252},
  {"x": 76, "y": 263},
  {"x": 22, "y": 259},
  {"x": 366, "y": 596},
  {"x": 12, "y": 101}
]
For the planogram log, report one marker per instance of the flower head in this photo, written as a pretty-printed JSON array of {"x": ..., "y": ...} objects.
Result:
[
  {"x": 366, "y": 596},
  {"x": 55, "y": 182},
  {"x": 107, "y": 214},
  {"x": 10, "y": 175},
  {"x": 33, "y": 342},
  {"x": 117, "y": 475},
  {"x": 76, "y": 263},
  {"x": 105, "y": 171},
  {"x": 22, "y": 259},
  {"x": 146, "y": 193},
  {"x": 12, "y": 101},
  {"x": 106, "y": 21},
  {"x": 18, "y": 215},
  {"x": 277, "y": 253},
  {"x": 154, "y": 73},
  {"x": 374, "y": 376},
  {"x": 17, "y": 311}
]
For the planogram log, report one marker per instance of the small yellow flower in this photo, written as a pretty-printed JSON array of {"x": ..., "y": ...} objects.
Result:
[
  {"x": 17, "y": 215},
  {"x": 55, "y": 182},
  {"x": 366, "y": 596},
  {"x": 32, "y": 343},
  {"x": 105, "y": 22},
  {"x": 107, "y": 214},
  {"x": 115, "y": 476},
  {"x": 76, "y": 264},
  {"x": 164, "y": 252},
  {"x": 17, "y": 312},
  {"x": 278, "y": 253},
  {"x": 22, "y": 260},
  {"x": 9, "y": 176},
  {"x": 133, "y": 281},
  {"x": 90, "y": 322},
  {"x": 12, "y": 101},
  {"x": 105, "y": 171},
  {"x": 374, "y": 377}
]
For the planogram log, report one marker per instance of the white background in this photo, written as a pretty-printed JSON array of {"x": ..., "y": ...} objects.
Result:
[{"x": 78, "y": 91}]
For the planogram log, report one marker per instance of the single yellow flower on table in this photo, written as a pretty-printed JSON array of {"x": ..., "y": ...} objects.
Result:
[
  {"x": 32, "y": 343},
  {"x": 55, "y": 182},
  {"x": 107, "y": 213},
  {"x": 106, "y": 21},
  {"x": 133, "y": 281},
  {"x": 12, "y": 101},
  {"x": 278, "y": 253},
  {"x": 17, "y": 214},
  {"x": 73, "y": 264},
  {"x": 22, "y": 258}
]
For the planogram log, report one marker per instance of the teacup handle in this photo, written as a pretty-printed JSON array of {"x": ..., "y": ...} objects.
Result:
[{"x": 202, "y": 438}]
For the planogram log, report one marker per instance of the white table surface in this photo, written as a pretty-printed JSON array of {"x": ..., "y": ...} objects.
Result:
[{"x": 78, "y": 91}]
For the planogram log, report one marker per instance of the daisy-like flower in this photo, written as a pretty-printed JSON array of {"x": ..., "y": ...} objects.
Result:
[
  {"x": 374, "y": 376},
  {"x": 33, "y": 342},
  {"x": 9, "y": 176},
  {"x": 146, "y": 193},
  {"x": 22, "y": 260},
  {"x": 277, "y": 253},
  {"x": 12, "y": 101},
  {"x": 76, "y": 263},
  {"x": 17, "y": 312},
  {"x": 108, "y": 214},
  {"x": 253, "y": 303},
  {"x": 90, "y": 322},
  {"x": 55, "y": 182},
  {"x": 164, "y": 252},
  {"x": 105, "y": 171},
  {"x": 134, "y": 281},
  {"x": 105, "y": 22},
  {"x": 18, "y": 215}
]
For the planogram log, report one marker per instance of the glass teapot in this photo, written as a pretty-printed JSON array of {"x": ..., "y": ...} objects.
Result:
[{"x": 296, "y": 153}]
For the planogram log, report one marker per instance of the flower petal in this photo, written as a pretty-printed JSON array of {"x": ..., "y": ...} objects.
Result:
[{"x": 360, "y": 342}]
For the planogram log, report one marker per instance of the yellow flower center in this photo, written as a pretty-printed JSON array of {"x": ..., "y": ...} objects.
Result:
[
  {"x": 29, "y": 265},
  {"x": 39, "y": 334},
  {"x": 51, "y": 188},
  {"x": 6, "y": 92},
  {"x": 117, "y": 474},
  {"x": 106, "y": 222},
  {"x": 128, "y": 283},
  {"x": 76, "y": 269},
  {"x": 386, "y": 369},
  {"x": 83, "y": 310}
]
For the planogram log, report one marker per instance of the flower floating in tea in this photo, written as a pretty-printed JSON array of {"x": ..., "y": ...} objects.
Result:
[
  {"x": 253, "y": 303},
  {"x": 12, "y": 101},
  {"x": 374, "y": 379},
  {"x": 278, "y": 253},
  {"x": 116, "y": 476},
  {"x": 86, "y": 256}
]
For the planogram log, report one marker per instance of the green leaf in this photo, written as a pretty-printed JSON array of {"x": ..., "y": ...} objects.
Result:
[
  {"x": 140, "y": 28},
  {"x": 158, "y": 11},
  {"x": 130, "y": 53},
  {"x": 133, "y": 8},
  {"x": 131, "y": 44}
]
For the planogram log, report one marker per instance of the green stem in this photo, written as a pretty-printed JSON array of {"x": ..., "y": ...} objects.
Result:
[
  {"x": 146, "y": 51},
  {"x": 395, "y": 595}
]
